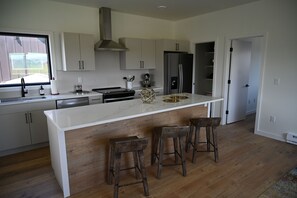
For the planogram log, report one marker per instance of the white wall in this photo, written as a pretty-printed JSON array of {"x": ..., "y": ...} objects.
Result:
[
  {"x": 276, "y": 20},
  {"x": 55, "y": 17}
]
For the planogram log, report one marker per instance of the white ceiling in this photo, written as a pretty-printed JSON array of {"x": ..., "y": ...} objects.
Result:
[{"x": 176, "y": 9}]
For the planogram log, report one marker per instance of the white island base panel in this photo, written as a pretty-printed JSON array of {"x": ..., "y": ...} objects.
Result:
[
  {"x": 79, "y": 136},
  {"x": 58, "y": 156}
]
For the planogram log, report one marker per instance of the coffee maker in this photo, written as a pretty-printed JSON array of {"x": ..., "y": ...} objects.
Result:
[{"x": 146, "y": 80}]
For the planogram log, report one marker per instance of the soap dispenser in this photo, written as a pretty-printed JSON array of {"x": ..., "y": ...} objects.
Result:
[{"x": 41, "y": 90}]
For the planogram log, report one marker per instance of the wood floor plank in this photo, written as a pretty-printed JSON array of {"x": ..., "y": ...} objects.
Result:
[{"x": 248, "y": 165}]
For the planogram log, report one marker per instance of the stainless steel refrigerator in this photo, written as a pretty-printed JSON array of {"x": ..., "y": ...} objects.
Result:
[{"x": 178, "y": 72}]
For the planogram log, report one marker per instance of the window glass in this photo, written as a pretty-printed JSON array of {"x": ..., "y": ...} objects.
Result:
[{"x": 24, "y": 56}]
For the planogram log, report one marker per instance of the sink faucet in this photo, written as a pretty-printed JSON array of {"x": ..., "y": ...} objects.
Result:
[{"x": 24, "y": 90}]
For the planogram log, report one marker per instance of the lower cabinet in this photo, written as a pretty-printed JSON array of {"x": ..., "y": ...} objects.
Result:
[
  {"x": 14, "y": 131},
  {"x": 38, "y": 127},
  {"x": 23, "y": 124}
]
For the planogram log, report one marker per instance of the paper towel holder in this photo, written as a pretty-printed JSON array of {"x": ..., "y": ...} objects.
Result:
[{"x": 54, "y": 90}]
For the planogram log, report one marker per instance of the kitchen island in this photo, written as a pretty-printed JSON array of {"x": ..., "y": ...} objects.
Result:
[{"x": 79, "y": 136}]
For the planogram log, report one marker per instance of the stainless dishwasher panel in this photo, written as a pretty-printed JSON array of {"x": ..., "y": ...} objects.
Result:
[{"x": 72, "y": 102}]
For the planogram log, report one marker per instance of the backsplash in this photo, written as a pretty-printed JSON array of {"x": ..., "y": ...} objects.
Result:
[{"x": 107, "y": 74}]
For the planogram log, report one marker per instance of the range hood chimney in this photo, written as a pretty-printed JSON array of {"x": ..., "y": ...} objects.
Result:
[{"x": 105, "y": 43}]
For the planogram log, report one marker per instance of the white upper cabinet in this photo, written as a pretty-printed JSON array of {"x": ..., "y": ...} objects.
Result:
[
  {"x": 78, "y": 52},
  {"x": 175, "y": 45},
  {"x": 140, "y": 54}
]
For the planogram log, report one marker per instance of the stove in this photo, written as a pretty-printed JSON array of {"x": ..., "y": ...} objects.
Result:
[{"x": 114, "y": 94}]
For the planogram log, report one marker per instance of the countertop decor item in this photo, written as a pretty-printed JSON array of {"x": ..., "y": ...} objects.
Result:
[
  {"x": 147, "y": 81},
  {"x": 129, "y": 80},
  {"x": 147, "y": 95}
]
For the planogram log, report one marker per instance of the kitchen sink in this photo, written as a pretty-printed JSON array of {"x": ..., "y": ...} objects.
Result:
[{"x": 21, "y": 99}]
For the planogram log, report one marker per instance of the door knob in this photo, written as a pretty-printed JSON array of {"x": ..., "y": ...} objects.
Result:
[{"x": 247, "y": 85}]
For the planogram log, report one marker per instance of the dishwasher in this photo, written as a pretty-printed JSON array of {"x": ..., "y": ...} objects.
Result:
[{"x": 72, "y": 102}]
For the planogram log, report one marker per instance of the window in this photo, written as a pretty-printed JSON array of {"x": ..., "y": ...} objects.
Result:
[{"x": 24, "y": 56}]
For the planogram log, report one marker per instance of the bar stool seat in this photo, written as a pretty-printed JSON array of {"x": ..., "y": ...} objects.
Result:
[
  {"x": 211, "y": 136},
  {"x": 118, "y": 146},
  {"x": 178, "y": 134}
]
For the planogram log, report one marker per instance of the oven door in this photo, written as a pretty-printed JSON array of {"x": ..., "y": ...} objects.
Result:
[{"x": 107, "y": 100}]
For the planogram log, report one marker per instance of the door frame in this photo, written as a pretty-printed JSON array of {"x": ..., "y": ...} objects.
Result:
[
  {"x": 261, "y": 76},
  {"x": 216, "y": 107}
]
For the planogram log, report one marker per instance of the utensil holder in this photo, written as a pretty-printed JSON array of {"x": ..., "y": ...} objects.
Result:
[{"x": 129, "y": 85}]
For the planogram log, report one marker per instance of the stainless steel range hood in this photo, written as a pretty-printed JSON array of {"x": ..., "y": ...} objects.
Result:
[{"x": 105, "y": 43}]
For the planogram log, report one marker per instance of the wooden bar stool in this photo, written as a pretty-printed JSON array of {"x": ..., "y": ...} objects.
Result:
[
  {"x": 117, "y": 147},
  {"x": 178, "y": 134},
  {"x": 211, "y": 136}
]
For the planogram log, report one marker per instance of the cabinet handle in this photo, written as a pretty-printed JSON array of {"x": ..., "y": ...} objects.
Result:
[
  {"x": 141, "y": 64},
  {"x": 177, "y": 46},
  {"x": 83, "y": 64},
  {"x": 26, "y": 116},
  {"x": 30, "y": 115},
  {"x": 79, "y": 64}
]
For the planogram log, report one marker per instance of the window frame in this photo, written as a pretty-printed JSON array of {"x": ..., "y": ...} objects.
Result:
[{"x": 48, "y": 48}]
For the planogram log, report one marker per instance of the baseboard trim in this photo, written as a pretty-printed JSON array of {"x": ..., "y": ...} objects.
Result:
[
  {"x": 250, "y": 112},
  {"x": 279, "y": 137},
  {"x": 22, "y": 149}
]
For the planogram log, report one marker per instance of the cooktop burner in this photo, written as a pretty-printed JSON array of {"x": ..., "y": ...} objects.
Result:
[
  {"x": 113, "y": 94},
  {"x": 110, "y": 90}
]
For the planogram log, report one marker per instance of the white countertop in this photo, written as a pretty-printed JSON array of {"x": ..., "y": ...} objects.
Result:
[{"x": 85, "y": 116}]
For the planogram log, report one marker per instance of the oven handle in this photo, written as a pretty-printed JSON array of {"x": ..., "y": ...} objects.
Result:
[{"x": 118, "y": 99}]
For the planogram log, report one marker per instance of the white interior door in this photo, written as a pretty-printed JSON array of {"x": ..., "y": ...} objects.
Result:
[{"x": 239, "y": 76}]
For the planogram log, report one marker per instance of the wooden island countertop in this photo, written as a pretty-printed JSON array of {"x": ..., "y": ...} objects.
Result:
[{"x": 79, "y": 136}]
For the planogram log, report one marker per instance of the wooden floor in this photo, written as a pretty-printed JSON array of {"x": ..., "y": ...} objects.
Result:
[{"x": 248, "y": 165}]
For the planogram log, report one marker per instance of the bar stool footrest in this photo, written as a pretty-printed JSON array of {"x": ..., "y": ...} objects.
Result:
[{"x": 132, "y": 183}]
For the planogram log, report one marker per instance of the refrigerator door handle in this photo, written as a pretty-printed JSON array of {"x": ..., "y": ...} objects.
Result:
[{"x": 181, "y": 78}]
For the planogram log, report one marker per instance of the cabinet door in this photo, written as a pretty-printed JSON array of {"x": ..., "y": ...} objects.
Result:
[
  {"x": 38, "y": 122},
  {"x": 71, "y": 51},
  {"x": 87, "y": 53},
  {"x": 169, "y": 45},
  {"x": 132, "y": 56},
  {"x": 148, "y": 54},
  {"x": 176, "y": 45},
  {"x": 38, "y": 127},
  {"x": 14, "y": 131},
  {"x": 183, "y": 46}
]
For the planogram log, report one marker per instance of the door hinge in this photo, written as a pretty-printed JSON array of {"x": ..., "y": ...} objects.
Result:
[
  {"x": 229, "y": 82},
  {"x": 227, "y": 112},
  {"x": 231, "y": 49}
]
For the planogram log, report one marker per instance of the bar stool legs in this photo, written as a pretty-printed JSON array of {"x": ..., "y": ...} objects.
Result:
[
  {"x": 211, "y": 136},
  {"x": 117, "y": 147},
  {"x": 178, "y": 134},
  {"x": 117, "y": 174}
]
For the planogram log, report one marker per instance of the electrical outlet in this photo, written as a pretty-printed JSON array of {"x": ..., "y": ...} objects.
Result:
[{"x": 272, "y": 119}]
